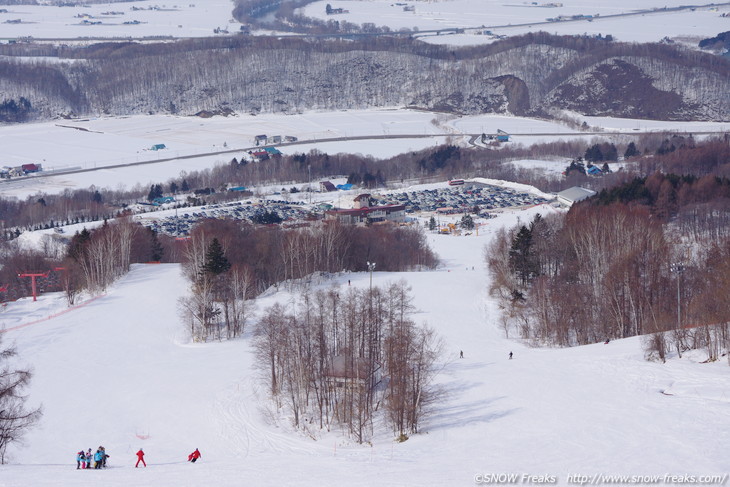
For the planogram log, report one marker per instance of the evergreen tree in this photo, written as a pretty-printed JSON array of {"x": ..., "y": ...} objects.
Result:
[
  {"x": 215, "y": 260},
  {"x": 467, "y": 222},
  {"x": 78, "y": 243},
  {"x": 155, "y": 192},
  {"x": 576, "y": 165},
  {"x": 631, "y": 151},
  {"x": 184, "y": 185},
  {"x": 521, "y": 257},
  {"x": 96, "y": 197},
  {"x": 432, "y": 223},
  {"x": 593, "y": 153},
  {"x": 157, "y": 250}
]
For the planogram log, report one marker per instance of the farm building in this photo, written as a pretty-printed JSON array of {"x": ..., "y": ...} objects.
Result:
[
  {"x": 272, "y": 151},
  {"x": 274, "y": 139},
  {"x": 574, "y": 194},
  {"x": 260, "y": 139},
  {"x": 259, "y": 155},
  {"x": 368, "y": 214},
  {"x": 29, "y": 168},
  {"x": 158, "y": 147},
  {"x": 327, "y": 187}
]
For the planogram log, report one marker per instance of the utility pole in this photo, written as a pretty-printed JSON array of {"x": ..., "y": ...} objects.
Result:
[
  {"x": 371, "y": 268},
  {"x": 678, "y": 268}
]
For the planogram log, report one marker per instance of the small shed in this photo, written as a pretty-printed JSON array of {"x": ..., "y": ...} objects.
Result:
[
  {"x": 352, "y": 372},
  {"x": 260, "y": 139},
  {"x": 327, "y": 187},
  {"x": 158, "y": 147}
]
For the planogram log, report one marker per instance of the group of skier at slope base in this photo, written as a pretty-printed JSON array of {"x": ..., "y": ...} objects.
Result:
[{"x": 83, "y": 459}]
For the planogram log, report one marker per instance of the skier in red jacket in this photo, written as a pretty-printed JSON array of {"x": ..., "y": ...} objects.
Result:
[
  {"x": 194, "y": 456},
  {"x": 140, "y": 458}
]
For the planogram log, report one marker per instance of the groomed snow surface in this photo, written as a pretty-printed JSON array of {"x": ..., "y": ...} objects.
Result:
[{"x": 120, "y": 371}]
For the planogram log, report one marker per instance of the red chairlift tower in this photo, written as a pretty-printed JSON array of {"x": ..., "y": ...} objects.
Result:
[{"x": 33, "y": 276}]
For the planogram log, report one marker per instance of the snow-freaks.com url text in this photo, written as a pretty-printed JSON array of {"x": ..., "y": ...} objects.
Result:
[{"x": 599, "y": 479}]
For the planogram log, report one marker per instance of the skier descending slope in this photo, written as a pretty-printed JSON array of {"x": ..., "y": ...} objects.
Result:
[{"x": 194, "y": 456}]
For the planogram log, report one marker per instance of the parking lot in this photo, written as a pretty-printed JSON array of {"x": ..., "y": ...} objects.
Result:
[
  {"x": 468, "y": 198},
  {"x": 460, "y": 199}
]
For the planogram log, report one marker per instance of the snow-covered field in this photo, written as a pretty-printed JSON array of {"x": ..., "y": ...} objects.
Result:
[
  {"x": 119, "y": 371},
  {"x": 151, "y": 18},
  {"x": 519, "y": 17},
  {"x": 148, "y": 18},
  {"x": 103, "y": 142}
]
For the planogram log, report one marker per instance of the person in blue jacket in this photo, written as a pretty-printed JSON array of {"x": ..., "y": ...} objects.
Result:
[
  {"x": 98, "y": 458},
  {"x": 80, "y": 460}
]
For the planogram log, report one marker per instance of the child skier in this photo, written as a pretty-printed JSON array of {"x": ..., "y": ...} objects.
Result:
[{"x": 80, "y": 460}]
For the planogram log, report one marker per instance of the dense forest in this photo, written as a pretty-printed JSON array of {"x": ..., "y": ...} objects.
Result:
[
  {"x": 534, "y": 74},
  {"x": 648, "y": 257}
]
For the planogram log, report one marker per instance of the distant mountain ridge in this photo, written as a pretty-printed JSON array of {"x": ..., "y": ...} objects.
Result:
[{"x": 534, "y": 74}]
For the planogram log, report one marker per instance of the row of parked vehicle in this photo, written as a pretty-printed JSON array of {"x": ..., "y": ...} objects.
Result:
[
  {"x": 180, "y": 223},
  {"x": 459, "y": 198},
  {"x": 454, "y": 199}
]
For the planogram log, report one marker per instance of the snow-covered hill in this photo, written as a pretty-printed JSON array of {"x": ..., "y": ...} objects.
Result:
[{"x": 120, "y": 372}]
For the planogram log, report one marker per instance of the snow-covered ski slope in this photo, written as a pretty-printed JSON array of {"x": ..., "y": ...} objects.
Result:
[{"x": 120, "y": 372}]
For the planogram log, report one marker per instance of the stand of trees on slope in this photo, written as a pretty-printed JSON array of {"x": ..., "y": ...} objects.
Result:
[
  {"x": 229, "y": 261},
  {"x": 350, "y": 359},
  {"x": 649, "y": 257}
]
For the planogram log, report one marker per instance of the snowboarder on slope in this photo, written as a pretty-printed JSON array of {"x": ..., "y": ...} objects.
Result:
[
  {"x": 140, "y": 458},
  {"x": 510, "y": 355},
  {"x": 194, "y": 456}
]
